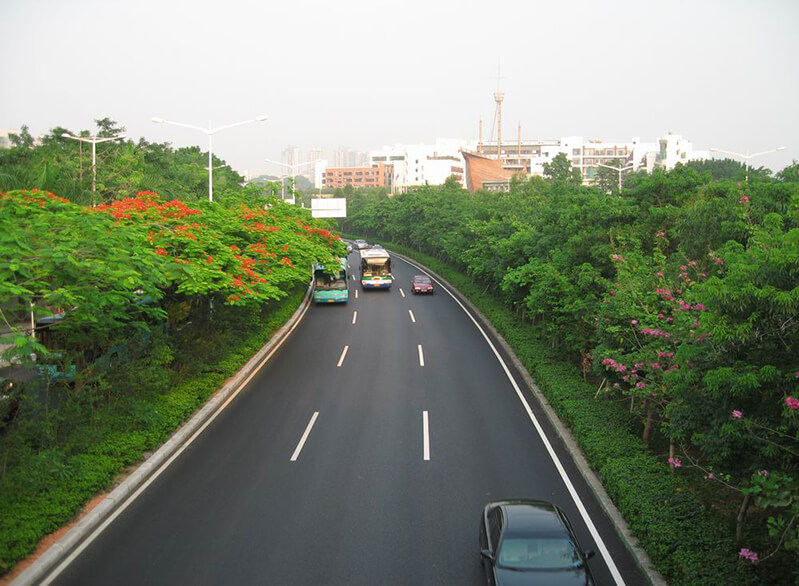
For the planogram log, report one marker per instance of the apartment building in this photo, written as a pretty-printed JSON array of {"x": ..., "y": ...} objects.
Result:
[{"x": 378, "y": 175}]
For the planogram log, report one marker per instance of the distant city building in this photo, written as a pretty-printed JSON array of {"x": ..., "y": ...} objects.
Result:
[
  {"x": 379, "y": 175},
  {"x": 421, "y": 164},
  {"x": 5, "y": 141},
  {"x": 414, "y": 165},
  {"x": 344, "y": 157},
  {"x": 529, "y": 157}
]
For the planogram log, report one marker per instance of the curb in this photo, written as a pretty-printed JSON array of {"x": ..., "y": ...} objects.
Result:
[
  {"x": 62, "y": 548},
  {"x": 646, "y": 565}
]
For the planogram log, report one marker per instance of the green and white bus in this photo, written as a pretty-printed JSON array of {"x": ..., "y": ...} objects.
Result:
[
  {"x": 331, "y": 288},
  {"x": 376, "y": 268}
]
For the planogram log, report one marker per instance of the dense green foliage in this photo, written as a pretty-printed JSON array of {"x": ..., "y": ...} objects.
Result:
[
  {"x": 680, "y": 297},
  {"x": 124, "y": 167},
  {"x": 143, "y": 306}
]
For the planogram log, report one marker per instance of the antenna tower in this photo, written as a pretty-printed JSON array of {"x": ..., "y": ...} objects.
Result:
[{"x": 498, "y": 97}]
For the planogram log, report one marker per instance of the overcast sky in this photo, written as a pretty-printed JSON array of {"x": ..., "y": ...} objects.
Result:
[{"x": 367, "y": 73}]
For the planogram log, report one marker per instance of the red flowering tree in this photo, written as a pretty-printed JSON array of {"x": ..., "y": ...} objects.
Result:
[
  {"x": 59, "y": 258},
  {"x": 237, "y": 249}
]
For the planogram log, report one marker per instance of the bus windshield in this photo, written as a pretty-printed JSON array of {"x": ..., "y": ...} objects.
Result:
[{"x": 326, "y": 282}]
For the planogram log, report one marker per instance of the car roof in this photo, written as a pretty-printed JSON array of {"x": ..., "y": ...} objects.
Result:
[{"x": 532, "y": 517}]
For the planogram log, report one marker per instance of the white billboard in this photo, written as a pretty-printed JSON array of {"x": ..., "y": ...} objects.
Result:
[{"x": 329, "y": 207}]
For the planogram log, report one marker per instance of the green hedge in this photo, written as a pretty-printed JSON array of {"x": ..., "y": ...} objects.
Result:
[
  {"x": 687, "y": 544},
  {"x": 47, "y": 489}
]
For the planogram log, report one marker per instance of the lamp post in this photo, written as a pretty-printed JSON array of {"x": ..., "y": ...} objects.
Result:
[
  {"x": 747, "y": 156},
  {"x": 210, "y": 132},
  {"x": 94, "y": 140},
  {"x": 620, "y": 170},
  {"x": 293, "y": 169}
]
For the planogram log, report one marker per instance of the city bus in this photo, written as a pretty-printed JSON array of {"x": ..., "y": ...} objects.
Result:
[
  {"x": 376, "y": 268},
  {"x": 331, "y": 288}
]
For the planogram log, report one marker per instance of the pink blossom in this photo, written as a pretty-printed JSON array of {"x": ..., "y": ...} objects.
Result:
[
  {"x": 656, "y": 366},
  {"x": 616, "y": 385},
  {"x": 718, "y": 261},
  {"x": 699, "y": 307},
  {"x": 617, "y": 258},
  {"x": 683, "y": 305},
  {"x": 665, "y": 294},
  {"x": 675, "y": 462},
  {"x": 792, "y": 403},
  {"x": 640, "y": 385},
  {"x": 710, "y": 476},
  {"x": 660, "y": 273},
  {"x": 736, "y": 414},
  {"x": 660, "y": 234},
  {"x": 692, "y": 264},
  {"x": 763, "y": 473},
  {"x": 654, "y": 332},
  {"x": 748, "y": 554},
  {"x": 744, "y": 199},
  {"x": 683, "y": 267},
  {"x": 634, "y": 322}
]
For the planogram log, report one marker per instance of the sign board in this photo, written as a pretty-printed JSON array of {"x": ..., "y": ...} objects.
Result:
[{"x": 329, "y": 207}]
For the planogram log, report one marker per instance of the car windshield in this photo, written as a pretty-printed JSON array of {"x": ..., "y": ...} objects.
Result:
[
  {"x": 539, "y": 553},
  {"x": 421, "y": 280}
]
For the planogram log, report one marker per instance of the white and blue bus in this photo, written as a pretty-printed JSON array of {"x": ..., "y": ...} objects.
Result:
[
  {"x": 376, "y": 268},
  {"x": 331, "y": 288}
]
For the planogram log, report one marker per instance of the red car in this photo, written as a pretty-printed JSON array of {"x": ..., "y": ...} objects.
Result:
[{"x": 422, "y": 284}]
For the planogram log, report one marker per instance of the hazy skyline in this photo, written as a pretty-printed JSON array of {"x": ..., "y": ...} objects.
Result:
[{"x": 366, "y": 74}]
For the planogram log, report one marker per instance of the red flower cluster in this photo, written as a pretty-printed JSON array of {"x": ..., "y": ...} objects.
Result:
[{"x": 147, "y": 201}]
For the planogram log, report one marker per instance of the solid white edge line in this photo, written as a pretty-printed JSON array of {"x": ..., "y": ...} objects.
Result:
[
  {"x": 426, "y": 433},
  {"x": 569, "y": 486},
  {"x": 354, "y": 317},
  {"x": 343, "y": 354},
  {"x": 86, "y": 542},
  {"x": 304, "y": 437},
  {"x": 421, "y": 356},
  {"x": 402, "y": 292},
  {"x": 413, "y": 319}
]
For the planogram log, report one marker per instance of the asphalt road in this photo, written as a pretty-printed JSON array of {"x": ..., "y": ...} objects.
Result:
[{"x": 406, "y": 436}]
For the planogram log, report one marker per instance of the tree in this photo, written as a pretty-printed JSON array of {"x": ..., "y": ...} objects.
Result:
[
  {"x": 21, "y": 139},
  {"x": 560, "y": 169}
]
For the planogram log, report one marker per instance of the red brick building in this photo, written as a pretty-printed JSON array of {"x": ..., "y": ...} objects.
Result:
[{"x": 378, "y": 175}]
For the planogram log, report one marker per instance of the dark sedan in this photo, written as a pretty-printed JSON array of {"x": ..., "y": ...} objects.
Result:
[
  {"x": 531, "y": 542},
  {"x": 422, "y": 284}
]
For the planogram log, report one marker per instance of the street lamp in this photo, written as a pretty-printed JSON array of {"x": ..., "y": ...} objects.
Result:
[
  {"x": 94, "y": 140},
  {"x": 620, "y": 170},
  {"x": 210, "y": 132},
  {"x": 747, "y": 156},
  {"x": 293, "y": 169}
]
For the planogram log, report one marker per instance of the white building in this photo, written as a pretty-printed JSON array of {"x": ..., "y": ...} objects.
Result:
[
  {"x": 5, "y": 141},
  {"x": 421, "y": 164}
]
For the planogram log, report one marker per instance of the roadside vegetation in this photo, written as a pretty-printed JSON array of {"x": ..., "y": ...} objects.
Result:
[
  {"x": 144, "y": 305},
  {"x": 662, "y": 323}
]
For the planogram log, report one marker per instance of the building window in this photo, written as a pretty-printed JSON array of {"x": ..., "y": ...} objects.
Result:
[{"x": 576, "y": 152}]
